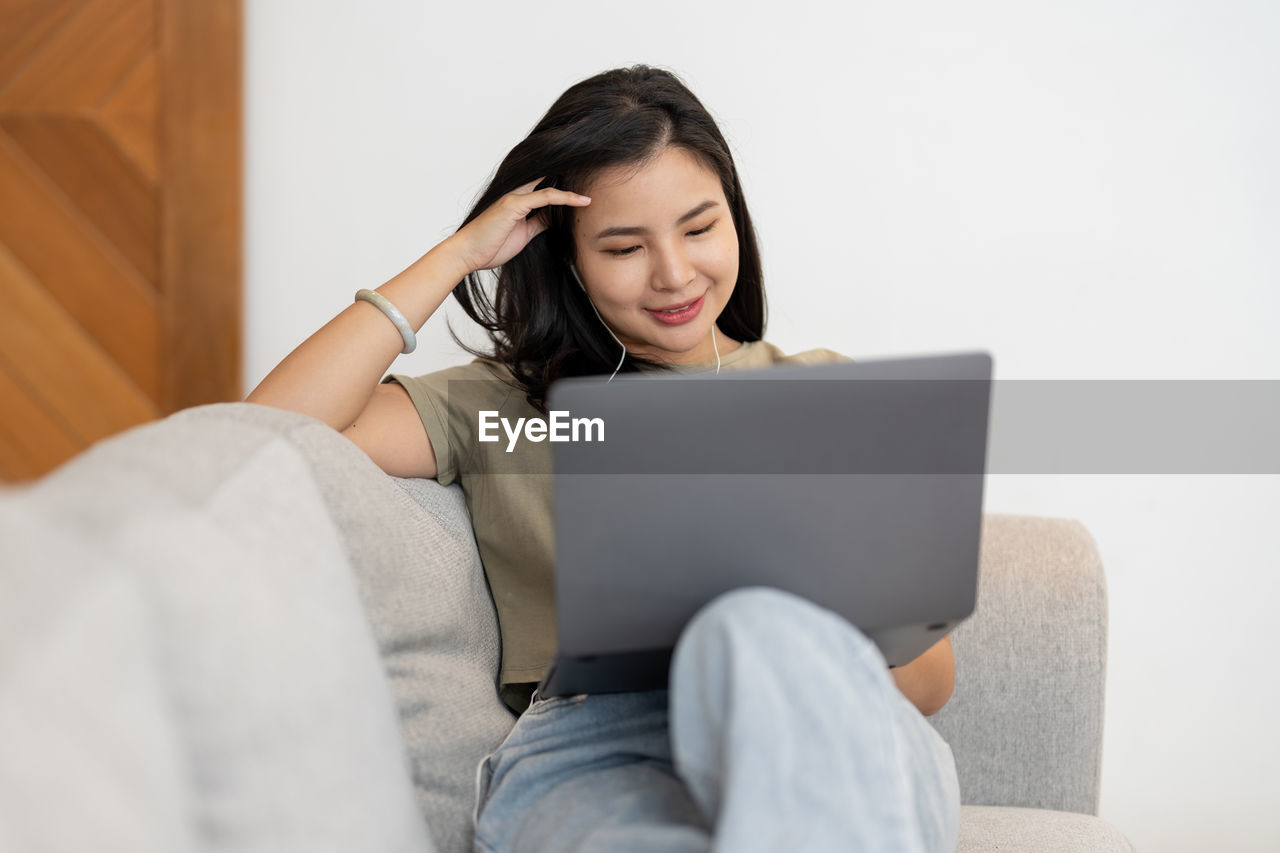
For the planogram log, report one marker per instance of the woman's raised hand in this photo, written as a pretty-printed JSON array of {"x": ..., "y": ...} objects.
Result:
[{"x": 499, "y": 233}]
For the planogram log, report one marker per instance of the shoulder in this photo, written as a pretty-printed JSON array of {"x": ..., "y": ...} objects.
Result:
[
  {"x": 480, "y": 380},
  {"x": 769, "y": 354},
  {"x": 480, "y": 369},
  {"x": 447, "y": 402}
]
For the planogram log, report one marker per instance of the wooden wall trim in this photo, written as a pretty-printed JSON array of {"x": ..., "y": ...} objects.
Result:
[{"x": 202, "y": 222}]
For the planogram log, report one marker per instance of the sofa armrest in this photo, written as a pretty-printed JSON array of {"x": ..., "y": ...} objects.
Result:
[
  {"x": 414, "y": 560},
  {"x": 1025, "y": 720},
  {"x": 185, "y": 660},
  {"x": 991, "y": 829}
]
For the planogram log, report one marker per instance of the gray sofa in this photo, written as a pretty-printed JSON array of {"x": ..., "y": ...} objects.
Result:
[{"x": 229, "y": 630}]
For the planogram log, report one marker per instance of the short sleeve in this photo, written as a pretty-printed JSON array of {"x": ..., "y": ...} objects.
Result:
[
  {"x": 448, "y": 403},
  {"x": 432, "y": 409}
]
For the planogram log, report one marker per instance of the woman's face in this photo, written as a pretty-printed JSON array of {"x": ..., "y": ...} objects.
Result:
[{"x": 660, "y": 238}]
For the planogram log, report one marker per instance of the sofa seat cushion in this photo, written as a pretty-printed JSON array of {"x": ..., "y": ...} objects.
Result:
[{"x": 999, "y": 829}]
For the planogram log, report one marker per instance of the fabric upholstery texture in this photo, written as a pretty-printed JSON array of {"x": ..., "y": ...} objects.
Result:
[
  {"x": 185, "y": 661},
  {"x": 1025, "y": 720},
  {"x": 1000, "y": 829},
  {"x": 421, "y": 583}
]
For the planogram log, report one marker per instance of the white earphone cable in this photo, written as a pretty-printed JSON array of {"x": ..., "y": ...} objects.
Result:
[
  {"x": 714, "y": 344},
  {"x": 574, "y": 269}
]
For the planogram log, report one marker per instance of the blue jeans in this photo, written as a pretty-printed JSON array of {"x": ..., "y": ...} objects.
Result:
[{"x": 783, "y": 730}]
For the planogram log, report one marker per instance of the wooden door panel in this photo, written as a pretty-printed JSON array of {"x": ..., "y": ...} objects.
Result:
[
  {"x": 63, "y": 366},
  {"x": 25, "y": 27},
  {"x": 129, "y": 116},
  {"x": 49, "y": 236},
  {"x": 32, "y": 440},
  {"x": 86, "y": 165},
  {"x": 120, "y": 244},
  {"x": 83, "y": 61}
]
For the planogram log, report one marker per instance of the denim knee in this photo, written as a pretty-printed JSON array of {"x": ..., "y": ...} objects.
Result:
[{"x": 771, "y": 623}]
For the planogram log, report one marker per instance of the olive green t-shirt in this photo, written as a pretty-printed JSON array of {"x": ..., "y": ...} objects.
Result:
[{"x": 509, "y": 495}]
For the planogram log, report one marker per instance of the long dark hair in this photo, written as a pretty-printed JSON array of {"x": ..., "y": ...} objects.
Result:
[{"x": 541, "y": 324}]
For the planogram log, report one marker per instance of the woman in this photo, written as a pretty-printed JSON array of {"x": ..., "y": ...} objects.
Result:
[{"x": 624, "y": 244}]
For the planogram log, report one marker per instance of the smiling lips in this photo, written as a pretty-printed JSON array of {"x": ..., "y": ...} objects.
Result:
[{"x": 676, "y": 315}]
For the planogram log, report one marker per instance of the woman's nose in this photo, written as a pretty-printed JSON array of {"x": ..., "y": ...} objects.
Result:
[{"x": 675, "y": 269}]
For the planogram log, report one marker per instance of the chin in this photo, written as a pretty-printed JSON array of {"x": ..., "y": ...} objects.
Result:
[{"x": 688, "y": 338}]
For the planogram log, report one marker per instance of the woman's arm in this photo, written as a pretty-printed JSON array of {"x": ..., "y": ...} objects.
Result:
[
  {"x": 929, "y": 679},
  {"x": 333, "y": 374}
]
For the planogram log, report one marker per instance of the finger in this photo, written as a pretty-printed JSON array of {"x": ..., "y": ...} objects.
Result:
[
  {"x": 551, "y": 195},
  {"x": 537, "y": 223},
  {"x": 528, "y": 188}
]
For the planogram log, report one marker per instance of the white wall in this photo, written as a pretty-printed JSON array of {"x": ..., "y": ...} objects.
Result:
[{"x": 1086, "y": 190}]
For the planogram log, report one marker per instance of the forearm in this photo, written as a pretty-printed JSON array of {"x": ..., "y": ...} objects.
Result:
[
  {"x": 929, "y": 679},
  {"x": 333, "y": 373}
]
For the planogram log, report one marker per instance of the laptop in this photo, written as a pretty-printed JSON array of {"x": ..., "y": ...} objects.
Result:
[{"x": 856, "y": 485}]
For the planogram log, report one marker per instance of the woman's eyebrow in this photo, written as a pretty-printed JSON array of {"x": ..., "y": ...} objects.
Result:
[{"x": 620, "y": 230}]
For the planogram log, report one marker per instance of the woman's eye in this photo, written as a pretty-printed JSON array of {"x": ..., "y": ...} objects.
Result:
[{"x": 622, "y": 253}]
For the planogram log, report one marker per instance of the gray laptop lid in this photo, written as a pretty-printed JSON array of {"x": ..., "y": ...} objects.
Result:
[{"x": 855, "y": 485}]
